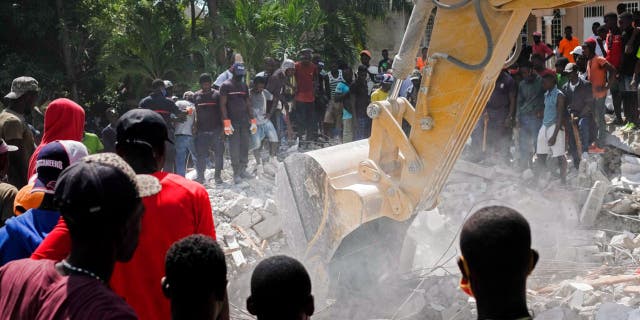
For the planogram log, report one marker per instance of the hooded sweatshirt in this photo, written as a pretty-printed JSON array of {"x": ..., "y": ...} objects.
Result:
[
  {"x": 63, "y": 120},
  {"x": 21, "y": 235}
]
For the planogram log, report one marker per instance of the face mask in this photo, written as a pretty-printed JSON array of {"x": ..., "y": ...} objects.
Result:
[{"x": 164, "y": 92}]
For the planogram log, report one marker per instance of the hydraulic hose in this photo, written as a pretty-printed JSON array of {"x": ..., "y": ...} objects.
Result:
[{"x": 485, "y": 29}]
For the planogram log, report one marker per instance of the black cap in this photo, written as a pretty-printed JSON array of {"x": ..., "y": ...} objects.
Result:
[
  {"x": 98, "y": 183},
  {"x": 142, "y": 126}
]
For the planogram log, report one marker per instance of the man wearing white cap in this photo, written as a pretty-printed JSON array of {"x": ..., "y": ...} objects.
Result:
[
  {"x": 7, "y": 191},
  {"x": 581, "y": 62},
  {"x": 14, "y": 129}
]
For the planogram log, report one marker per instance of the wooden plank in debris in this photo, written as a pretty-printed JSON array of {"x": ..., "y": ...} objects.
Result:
[
  {"x": 632, "y": 289},
  {"x": 238, "y": 257},
  {"x": 252, "y": 244},
  {"x": 607, "y": 281}
]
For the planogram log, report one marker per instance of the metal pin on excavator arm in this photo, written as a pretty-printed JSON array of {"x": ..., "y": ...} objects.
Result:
[{"x": 326, "y": 194}]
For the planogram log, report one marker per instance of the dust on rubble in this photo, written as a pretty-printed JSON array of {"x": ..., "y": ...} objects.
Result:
[{"x": 586, "y": 232}]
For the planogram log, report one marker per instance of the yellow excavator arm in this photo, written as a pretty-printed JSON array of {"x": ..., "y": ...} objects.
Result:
[{"x": 326, "y": 194}]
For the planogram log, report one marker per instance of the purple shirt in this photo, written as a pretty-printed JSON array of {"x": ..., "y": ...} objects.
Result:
[{"x": 33, "y": 289}]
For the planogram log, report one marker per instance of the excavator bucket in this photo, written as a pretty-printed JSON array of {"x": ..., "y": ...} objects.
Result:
[{"x": 326, "y": 195}]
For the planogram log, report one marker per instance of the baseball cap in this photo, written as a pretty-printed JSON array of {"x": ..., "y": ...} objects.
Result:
[
  {"x": 22, "y": 85},
  {"x": 26, "y": 199},
  {"x": 415, "y": 75},
  {"x": 387, "y": 78},
  {"x": 288, "y": 64},
  {"x": 577, "y": 50},
  {"x": 537, "y": 34},
  {"x": 142, "y": 126},
  {"x": 168, "y": 84},
  {"x": 97, "y": 181},
  {"x": 306, "y": 50},
  {"x": 52, "y": 159},
  {"x": 570, "y": 67},
  {"x": 238, "y": 69},
  {"x": 366, "y": 53},
  {"x": 4, "y": 147}
]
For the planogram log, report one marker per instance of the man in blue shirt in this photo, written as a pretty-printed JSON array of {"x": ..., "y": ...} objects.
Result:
[
  {"x": 22, "y": 234},
  {"x": 551, "y": 138}
]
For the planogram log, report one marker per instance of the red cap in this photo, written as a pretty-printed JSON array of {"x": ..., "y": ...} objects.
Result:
[{"x": 590, "y": 40}]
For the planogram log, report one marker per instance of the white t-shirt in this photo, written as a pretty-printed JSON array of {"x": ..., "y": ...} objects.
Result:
[
  {"x": 186, "y": 127},
  {"x": 226, "y": 75}
]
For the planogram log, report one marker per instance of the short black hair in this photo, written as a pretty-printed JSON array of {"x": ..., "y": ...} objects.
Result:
[
  {"x": 626, "y": 15},
  {"x": 611, "y": 15},
  {"x": 496, "y": 241},
  {"x": 595, "y": 25},
  {"x": 621, "y": 7},
  {"x": 568, "y": 28},
  {"x": 205, "y": 77},
  {"x": 280, "y": 288},
  {"x": 562, "y": 62},
  {"x": 157, "y": 84},
  {"x": 195, "y": 268},
  {"x": 550, "y": 76},
  {"x": 385, "y": 50},
  {"x": 602, "y": 28},
  {"x": 259, "y": 79}
]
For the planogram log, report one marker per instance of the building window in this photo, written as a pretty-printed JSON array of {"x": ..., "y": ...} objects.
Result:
[
  {"x": 556, "y": 29},
  {"x": 632, "y": 5},
  {"x": 594, "y": 11}
]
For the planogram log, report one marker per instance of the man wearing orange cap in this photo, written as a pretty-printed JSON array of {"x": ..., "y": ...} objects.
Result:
[
  {"x": 365, "y": 59},
  {"x": 422, "y": 59}
]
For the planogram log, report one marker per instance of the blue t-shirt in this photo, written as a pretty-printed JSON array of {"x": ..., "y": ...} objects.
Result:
[
  {"x": 551, "y": 107},
  {"x": 21, "y": 235}
]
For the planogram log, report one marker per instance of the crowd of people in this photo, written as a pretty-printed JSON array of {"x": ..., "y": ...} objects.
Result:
[
  {"x": 68, "y": 250},
  {"x": 563, "y": 109}
]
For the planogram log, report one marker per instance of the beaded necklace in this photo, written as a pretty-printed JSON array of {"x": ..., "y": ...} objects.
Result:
[{"x": 70, "y": 267}]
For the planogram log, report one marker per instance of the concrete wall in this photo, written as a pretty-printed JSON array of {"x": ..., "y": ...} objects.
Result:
[{"x": 386, "y": 34}]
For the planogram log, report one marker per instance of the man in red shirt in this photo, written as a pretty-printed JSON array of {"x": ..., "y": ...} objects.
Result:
[
  {"x": 102, "y": 232},
  {"x": 614, "y": 51},
  {"x": 540, "y": 47},
  {"x": 306, "y": 78},
  {"x": 182, "y": 208}
]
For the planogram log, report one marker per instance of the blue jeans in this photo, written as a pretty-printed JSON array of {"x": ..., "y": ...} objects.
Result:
[
  {"x": 184, "y": 147},
  {"x": 204, "y": 142},
  {"x": 528, "y": 137},
  {"x": 363, "y": 131}
]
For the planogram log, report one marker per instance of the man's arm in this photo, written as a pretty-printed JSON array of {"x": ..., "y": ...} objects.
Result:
[
  {"x": 613, "y": 73},
  {"x": 223, "y": 106},
  {"x": 559, "y": 119}
]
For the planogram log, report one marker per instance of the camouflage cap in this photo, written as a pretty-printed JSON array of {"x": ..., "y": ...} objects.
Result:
[{"x": 22, "y": 85}]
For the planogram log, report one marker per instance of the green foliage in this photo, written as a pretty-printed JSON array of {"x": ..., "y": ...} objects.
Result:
[{"x": 118, "y": 47}]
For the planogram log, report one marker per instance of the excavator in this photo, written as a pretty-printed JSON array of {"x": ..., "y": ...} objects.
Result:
[{"x": 338, "y": 201}]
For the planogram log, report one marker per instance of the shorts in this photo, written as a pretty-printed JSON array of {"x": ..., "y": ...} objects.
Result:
[
  {"x": 334, "y": 113},
  {"x": 265, "y": 130},
  {"x": 543, "y": 147}
]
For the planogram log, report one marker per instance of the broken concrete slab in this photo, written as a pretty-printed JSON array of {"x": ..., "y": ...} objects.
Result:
[
  {"x": 475, "y": 169},
  {"x": 238, "y": 206},
  {"x": 613, "y": 311},
  {"x": 592, "y": 206},
  {"x": 269, "y": 227},
  {"x": 247, "y": 219},
  {"x": 270, "y": 206}
]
